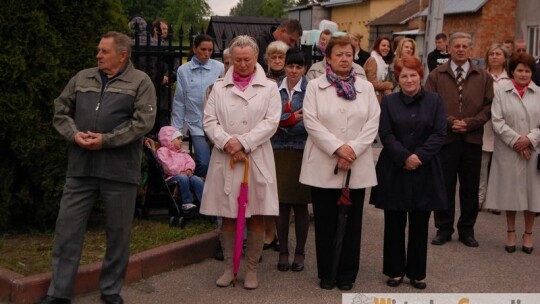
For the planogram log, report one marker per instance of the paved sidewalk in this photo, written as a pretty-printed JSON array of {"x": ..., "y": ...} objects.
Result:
[{"x": 451, "y": 268}]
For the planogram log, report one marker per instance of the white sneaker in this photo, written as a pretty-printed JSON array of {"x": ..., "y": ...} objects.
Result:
[{"x": 188, "y": 206}]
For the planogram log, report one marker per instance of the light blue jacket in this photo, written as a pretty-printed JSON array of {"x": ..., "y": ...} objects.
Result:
[{"x": 193, "y": 80}]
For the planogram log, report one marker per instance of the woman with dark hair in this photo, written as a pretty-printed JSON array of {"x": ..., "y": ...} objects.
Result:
[
  {"x": 409, "y": 173},
  {"x": 288, "y": 144},
  {"x": 341, "y": 115},
  {"x": 377, "y": 67},
  {"x": 193, "y": 78},
  {"x": 515, "y": 176}
]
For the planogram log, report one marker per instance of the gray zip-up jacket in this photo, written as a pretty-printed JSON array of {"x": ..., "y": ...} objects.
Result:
[{"x": 123, "y": 112}]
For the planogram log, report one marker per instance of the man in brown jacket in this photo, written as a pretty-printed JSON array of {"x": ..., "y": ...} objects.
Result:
[{"x": 467, "y": 92}]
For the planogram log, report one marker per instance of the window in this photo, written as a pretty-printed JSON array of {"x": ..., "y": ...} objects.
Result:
[{"x": 532, "y": 40}]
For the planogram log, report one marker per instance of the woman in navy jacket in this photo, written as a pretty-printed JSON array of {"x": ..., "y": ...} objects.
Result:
[{"x": 410, "y": 180}]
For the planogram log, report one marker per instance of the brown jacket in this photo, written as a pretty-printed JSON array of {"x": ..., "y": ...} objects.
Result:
[
  {"x": 476, "y": 105},
  {"x": 371, "y": 74}
]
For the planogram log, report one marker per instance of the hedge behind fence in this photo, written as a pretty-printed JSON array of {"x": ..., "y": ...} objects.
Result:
[{"x": 43, "y": 44}]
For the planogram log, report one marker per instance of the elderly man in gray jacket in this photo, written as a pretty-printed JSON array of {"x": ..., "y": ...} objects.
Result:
[{"x": 104, "y": 112}]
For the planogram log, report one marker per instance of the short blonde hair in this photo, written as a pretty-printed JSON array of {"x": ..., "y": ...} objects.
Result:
[
  {"x": 276, "y": 47},
  {"x": 399, "y": 49},
  {"x": 243, "y": 41}
]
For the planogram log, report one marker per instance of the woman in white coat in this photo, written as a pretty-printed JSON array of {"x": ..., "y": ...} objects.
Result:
[
  {"x": 242, "y": 114},
  {"x": 515, "y": 175},
  {"x": 341, "y": 115}
]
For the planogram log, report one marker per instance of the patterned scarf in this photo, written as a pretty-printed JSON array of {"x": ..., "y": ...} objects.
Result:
[{"x": 344, "y": 87}]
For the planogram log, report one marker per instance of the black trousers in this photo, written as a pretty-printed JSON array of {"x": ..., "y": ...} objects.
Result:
[
  {"x": 460, "y": 160},
  {"x": 325, "y": 212},
  {"x": 395, "y": 262}
]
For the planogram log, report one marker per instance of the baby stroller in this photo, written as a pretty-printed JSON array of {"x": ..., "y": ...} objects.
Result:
[{"x": 161, "y": 193}]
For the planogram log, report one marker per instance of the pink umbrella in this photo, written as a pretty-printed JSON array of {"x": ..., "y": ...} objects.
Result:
[{"x": 240, "y": 220}]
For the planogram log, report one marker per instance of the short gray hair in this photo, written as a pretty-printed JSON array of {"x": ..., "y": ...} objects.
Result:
[
  {"x": 243, "y": 41},
  {"x": 278, "y": 47},
  {"x": 459, "y": 35},
  {"x": 122, "y": 42}
]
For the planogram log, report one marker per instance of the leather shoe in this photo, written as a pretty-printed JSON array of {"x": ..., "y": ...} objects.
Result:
[
  {"x": 527, "y": 250},
  {"x": 394, "y": 282},
  {"x": 440, "y": 239},
  {"x": 345, "y": 285},
  {"x": 468, "y": 241},
  {"x": 297, "y": 267},
  {"x": 112, "y": 299},
  {"x": 283, "y": 267},
  {"x": 418, "y": 284},
  {"x": 327, "y": 284},
  {"x": 53, "y": 300}
]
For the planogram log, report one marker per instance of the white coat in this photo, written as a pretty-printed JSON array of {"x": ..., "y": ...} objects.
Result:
[
  {"x": 513, "y": 181},
  {"x": 488, "y": 139},
  {"x": 253, "y": 117},
  {"x": 332, "y": 121}
]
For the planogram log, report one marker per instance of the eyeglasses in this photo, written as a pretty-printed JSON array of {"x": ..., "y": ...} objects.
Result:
[{"x": 521, "y": 50}]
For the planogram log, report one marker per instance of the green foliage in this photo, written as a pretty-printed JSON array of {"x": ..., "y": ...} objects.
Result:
[
  {"x": 261, "y": 8},
  {"x": 186, "y": 13},
  {"x": 44, "y": 43},
  {"x": 150, "y": 9}
]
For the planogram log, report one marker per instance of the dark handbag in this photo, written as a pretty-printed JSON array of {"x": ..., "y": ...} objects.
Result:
[{"x": 538, "y": 162}]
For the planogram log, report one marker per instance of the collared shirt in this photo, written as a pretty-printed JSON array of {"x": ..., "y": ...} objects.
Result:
[
  {"x": 193, "y": 80},
  {"x": 285, "y": 86},
  {"x": 465, "y": 68}
]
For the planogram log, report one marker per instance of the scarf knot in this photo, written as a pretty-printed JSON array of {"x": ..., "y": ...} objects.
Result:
[{"x": 344, "y": 87}]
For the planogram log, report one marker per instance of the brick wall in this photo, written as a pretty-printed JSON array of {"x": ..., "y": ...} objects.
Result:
[{"x": 493, "y": 23}]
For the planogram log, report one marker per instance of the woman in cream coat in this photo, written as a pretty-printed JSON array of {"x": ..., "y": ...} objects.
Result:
[
  {"x": 514, "y": 178},
  {"x": 341, "y": 115},
  {"x": 240, "y": 117}
]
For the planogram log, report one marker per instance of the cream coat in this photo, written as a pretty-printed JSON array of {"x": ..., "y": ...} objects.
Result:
[
  {"x": 513, "y": 181},
  {"x": 488, "y": 138},
  {"x": 253, "y": 117},
  {"x": 332, "y": 121}
]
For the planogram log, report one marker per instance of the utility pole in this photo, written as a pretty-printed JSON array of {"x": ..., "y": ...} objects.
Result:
[{"x": 434, "y": 25}]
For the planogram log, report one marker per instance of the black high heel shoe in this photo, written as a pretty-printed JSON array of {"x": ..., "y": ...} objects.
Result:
[
  {"x": 284, "y": 266},
  {"x": 297, "y": 267},
  {"x": 510, "y": 249},
  {"x": 394, "y": 282},
  {"x": 527, "y": 250}
]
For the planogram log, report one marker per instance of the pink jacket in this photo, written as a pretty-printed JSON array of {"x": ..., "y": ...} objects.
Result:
[{"x": 172, "y": 160}]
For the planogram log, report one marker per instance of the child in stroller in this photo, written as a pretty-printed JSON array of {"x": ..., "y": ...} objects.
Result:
[{"x": 179, "y": 166}]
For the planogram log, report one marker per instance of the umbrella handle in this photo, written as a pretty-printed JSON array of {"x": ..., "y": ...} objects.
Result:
[
  {"x": 246, "y": 169},
  {"x": 348, "y": 175}
]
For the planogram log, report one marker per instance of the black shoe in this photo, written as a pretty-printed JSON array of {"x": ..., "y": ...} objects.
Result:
[
  {"x": 510, "y": 249},
  {"x": 283, "y": 267},
  {"x": 527, "y": 250},
  {"x": 53, "y": 300},
  {"x": 218, "y": 255},
  {"x": 440, "y": 239},
  {"x": 394, "y": 282},
  {"x": 297, "y": 267},
  {"x": 469, "y": 241},
  {"x": 345, "y": 285},
  {"x": 327, "y": 284},
  {"x": 271, "y": 245},
  {"x": 418, "y": 284},
  {"x": 112, "y": 299}
]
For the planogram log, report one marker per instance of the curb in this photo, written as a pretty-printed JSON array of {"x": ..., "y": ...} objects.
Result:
[{"x": 17, "y": 288}]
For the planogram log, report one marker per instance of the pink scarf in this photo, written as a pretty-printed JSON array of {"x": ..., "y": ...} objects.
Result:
[
  {"x": 521, "y": 90},
  {"x": 241, "y": 82}
]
